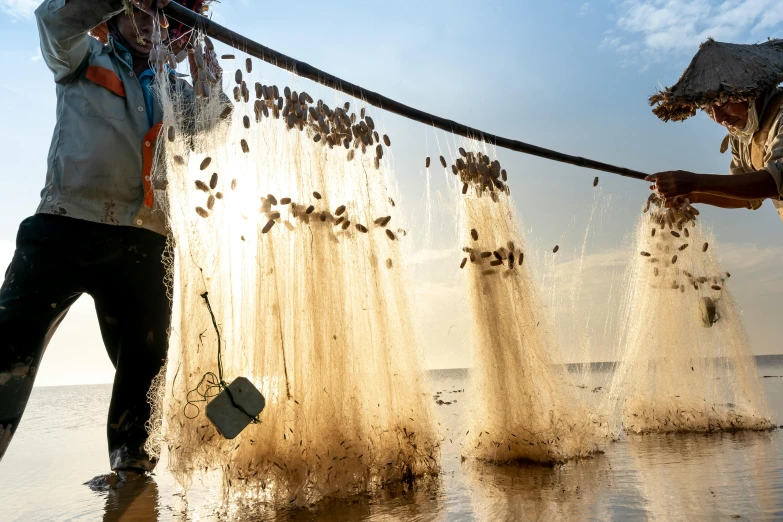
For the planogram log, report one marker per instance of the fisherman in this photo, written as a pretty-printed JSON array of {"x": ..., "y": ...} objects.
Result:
[
  {"x": 98, "y": 229},
  {"x": 737, "y": 86}
]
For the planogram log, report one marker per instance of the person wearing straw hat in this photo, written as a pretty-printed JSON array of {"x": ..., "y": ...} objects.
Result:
[
  {"x": 737, "y": 86},
  {"x": 98, "y": 229}
]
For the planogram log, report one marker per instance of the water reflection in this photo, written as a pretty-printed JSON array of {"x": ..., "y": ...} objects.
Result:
[
  {"x": 716, "y": 476},
  {"x": 533, "y": 492},
  {"x": 651, "y": 477},
  {"x": 137, "y": 501},
  {"x": 417, "y": 501}
]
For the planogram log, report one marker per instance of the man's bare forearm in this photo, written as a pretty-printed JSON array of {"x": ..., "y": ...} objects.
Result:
[
  {"x": 719, "y": 201},
  {"x": 753, "y": 185}
]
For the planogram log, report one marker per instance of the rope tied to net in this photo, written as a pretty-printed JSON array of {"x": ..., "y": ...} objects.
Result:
[{"x": 213, "y": 384}]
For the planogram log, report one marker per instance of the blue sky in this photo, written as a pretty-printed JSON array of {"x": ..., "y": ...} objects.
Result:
[{"x": 572, "y": 76}]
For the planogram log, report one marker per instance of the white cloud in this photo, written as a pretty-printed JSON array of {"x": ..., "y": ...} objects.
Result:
[
  {"x": 590, "y": 291},
  {"x": 653, "y": 29},
  {"x": 610, "y": 42},
  {"x": 757, "y": 265},
  {"x": 37, "y": 56},
  {"x": 7, "y": 247},
  {"x": 19, "y": 9},
  {"x": 420, "y": 257},
  {"x": 585, "y": 9},
  {"x": 582, "y": 296},
  {"x": 443, "y": 319}
]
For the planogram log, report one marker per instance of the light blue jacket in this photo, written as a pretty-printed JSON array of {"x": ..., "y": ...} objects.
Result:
[{"x": 101, "y": 155}]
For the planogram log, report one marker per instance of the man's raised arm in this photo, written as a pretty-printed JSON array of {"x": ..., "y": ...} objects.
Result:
[{"x": 63, "y": 27}]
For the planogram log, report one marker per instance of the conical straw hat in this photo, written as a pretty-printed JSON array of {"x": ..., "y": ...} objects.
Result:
[{"x": 733, "y": 72}]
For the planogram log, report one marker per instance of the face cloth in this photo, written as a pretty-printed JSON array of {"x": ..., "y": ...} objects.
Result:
[{"x": 752, "y": 125}]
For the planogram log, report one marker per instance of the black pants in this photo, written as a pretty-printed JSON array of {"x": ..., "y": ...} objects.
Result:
[{"x": 57, "y": 259}]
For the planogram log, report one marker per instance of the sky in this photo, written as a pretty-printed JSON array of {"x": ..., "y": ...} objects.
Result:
[{"x": 570, "y": 76}]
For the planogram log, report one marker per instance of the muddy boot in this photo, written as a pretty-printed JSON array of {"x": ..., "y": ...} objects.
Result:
[
  {"x": 122, "y": 459},
  {"x": 114, "y": 480}
]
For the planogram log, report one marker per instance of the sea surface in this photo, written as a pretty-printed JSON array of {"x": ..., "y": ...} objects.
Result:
[{"x": 724, "y": 476}]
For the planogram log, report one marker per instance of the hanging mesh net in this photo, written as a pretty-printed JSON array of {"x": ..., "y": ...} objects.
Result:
[
  {"x": 523, "y": 408},
  {"x": 287, "y": 265},
  {"x": 687, "y": 364},
  {"x": 283, "y": 211}
]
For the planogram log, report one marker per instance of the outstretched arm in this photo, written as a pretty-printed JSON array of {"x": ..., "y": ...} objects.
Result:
[
  {"x": 716, "y": 189},
  {"x": 753, "y": 185},
  {"x": 720, "y": 201}
]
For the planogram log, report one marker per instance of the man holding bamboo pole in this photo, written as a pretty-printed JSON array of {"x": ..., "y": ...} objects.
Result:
[{"x": 98, "y": 229}]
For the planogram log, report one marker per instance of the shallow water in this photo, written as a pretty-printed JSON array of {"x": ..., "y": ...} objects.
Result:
[{"x": 61, "y": 444}]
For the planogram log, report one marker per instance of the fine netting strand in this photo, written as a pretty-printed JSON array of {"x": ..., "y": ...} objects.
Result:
[
  {"x": 283, "y": 210},
  {"x": 686, "y": 361},
  {"x": 568, "y": 491},
  {"x": 523, "y": 408}
]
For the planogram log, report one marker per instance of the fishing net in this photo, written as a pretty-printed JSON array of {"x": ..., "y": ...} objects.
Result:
[
  {"x": 687, "y": 364},
  {"x": 283, "y": 219},
  {"x": 523, "y": 408}
]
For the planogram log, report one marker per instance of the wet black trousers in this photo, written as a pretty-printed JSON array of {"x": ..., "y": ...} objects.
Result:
[{"x": 57, "y": 259}]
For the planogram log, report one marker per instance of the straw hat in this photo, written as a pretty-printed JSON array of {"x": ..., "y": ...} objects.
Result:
[{"x": 731, "y": 72}]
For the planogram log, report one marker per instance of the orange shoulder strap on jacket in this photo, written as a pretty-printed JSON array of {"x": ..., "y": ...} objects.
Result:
[
  {"x": 106, "y": 78},
  {"x": 757, "y": 144},
  {"x": 147, "y": 158}
]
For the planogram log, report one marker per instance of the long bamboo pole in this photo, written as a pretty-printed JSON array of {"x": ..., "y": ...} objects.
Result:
[{"x": 239, "y": 42}]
